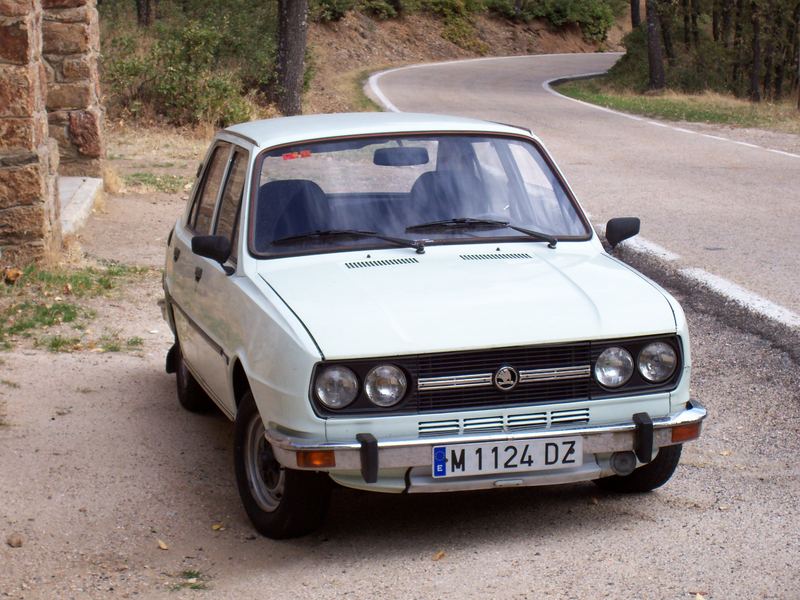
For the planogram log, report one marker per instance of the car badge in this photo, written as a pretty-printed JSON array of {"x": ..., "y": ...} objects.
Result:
[{"x": 506, "y": 378}]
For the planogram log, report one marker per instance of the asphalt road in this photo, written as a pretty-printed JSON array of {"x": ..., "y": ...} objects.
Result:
[{"x": 725, "y": 208}]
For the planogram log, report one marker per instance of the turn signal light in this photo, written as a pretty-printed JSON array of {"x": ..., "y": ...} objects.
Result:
[
  {"x": 684, "y": 433},
  {"x": 316, "y": 459}
]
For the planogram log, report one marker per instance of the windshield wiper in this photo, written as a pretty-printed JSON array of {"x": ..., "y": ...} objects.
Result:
[
  {"x": 418, "y": 245},
  {"x": 467, "y": 221}
]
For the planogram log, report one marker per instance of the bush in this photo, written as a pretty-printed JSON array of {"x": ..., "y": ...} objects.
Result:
[
  {"x": 595, "y": 17},
  {"x": 706, "y": 67},
  {"x": 324, "y": 11}
]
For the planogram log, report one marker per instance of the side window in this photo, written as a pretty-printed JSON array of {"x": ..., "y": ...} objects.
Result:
[
  {"x": 231, "y": 200},
  {"x": 203, "y": 211}
]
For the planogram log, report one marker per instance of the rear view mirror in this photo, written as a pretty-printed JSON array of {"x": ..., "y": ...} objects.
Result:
[
  {"x": 621, "y": 228},
  {"x": 215, "y": 247},
  {"x": 401, "y": 156}
]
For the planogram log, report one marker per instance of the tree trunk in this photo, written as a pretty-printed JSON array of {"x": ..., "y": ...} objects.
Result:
[
  {"x": 695, "y": 16},
  {"x": 666, "y": 34},
  {"x": 518, "y": 10},
  {"x": 715, "y": 20},
  {"x": 292, "y": 28},
  {"x": 773, "y": 15},
  {"x": 145, "y": 12},
  {"x": 685, "y": 10},
  {"x": 636, "y": 17},
  {"x": 727, "y": 13},
  {"x": 737, "y": 48},
  {"x": 755, "y": 71},
  {"x": 654, "y": 57}
]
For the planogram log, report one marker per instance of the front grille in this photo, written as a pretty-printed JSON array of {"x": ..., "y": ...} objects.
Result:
[{"x": 532, "y": 389}]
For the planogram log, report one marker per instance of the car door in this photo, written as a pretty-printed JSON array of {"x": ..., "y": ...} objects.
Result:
[
  {"x": 196, "y": 345},
  {"x": 216, "y": 293}
]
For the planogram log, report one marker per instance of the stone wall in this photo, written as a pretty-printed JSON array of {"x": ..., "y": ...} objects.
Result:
[
  {"x": 71, "y": 47},
  {"x": 29, "y": 214}
]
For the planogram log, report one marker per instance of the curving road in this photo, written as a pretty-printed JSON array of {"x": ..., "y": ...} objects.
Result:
[{"x": 721, "y": 209}]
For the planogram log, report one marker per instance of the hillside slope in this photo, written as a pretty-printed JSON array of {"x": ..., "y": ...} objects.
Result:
[{"x": 344, "y": 52}]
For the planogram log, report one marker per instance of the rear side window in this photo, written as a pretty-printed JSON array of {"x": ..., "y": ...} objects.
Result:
[
  {"x": 231, "y": 200},
  {"x": 203, "y": 211}
]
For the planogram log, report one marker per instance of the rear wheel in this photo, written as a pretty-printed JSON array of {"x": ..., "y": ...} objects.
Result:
[
  {"x": 280, "y": 502},
  {"x": 648, "y": 477},
  {"x": 190, "y": 394}
]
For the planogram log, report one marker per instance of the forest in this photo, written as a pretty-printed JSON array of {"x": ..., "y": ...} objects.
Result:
[{"x": 202, "y": 61}]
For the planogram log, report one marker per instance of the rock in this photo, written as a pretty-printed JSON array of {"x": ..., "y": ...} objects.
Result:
[
  {"x": 84, "y": 130},
  {"x": 15, "y": 540}
]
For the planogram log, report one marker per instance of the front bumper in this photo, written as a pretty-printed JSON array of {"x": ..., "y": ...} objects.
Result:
[{"x": 364, "y": 462}]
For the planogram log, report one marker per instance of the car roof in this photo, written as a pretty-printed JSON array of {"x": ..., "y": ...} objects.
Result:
[{"x": 287, "y": 130}]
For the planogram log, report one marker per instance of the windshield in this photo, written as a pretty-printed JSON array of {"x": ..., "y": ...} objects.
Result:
[{"x": 394, "y": 185}]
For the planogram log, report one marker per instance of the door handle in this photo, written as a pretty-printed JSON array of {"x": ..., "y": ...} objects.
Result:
[
  {"x": 198, "y": 273},
  {"x": 176, "y": 254}
]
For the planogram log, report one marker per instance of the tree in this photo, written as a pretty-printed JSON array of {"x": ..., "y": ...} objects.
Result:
[
  {"x": 292, "y": 28},
  {"x": 636, "y": 17},
  {"x": 755, "y": 70},
  {"x": 654, "y": 56},
  {"x": 145, "y": 12}
]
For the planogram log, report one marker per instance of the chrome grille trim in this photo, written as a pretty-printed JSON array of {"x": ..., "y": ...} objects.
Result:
[
  {"x": 503, "y": 423},
  {"x": 449, "y": 382},
  {"x": 556, "y": 374}
]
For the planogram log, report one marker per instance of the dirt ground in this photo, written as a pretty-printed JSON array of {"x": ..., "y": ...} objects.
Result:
[{"x": 100, "y": 469}]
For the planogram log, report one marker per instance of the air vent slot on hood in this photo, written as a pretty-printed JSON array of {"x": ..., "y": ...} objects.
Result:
[
  {"x": 388, "y": 262},
  {"x": 498, "y": 256}
]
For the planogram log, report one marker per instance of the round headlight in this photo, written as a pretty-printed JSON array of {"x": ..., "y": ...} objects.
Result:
[
  {"x": 385, "y": 385},
  {"x": 657, "y": 362},
  {"x": 336, "y": 387},
  {"x": 614, "y": 367}
]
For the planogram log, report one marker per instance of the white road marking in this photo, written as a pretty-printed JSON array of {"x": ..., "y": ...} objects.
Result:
[
  {"x": 723, "y": 287},
  {"x": 743, "y": 297}
]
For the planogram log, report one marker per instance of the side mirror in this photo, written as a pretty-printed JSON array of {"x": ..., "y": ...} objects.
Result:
[
  {"x": 215, "y": 247},
  {"x": 621, "y": 228}
]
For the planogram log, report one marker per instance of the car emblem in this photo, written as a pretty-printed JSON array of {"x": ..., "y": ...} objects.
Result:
[{"x": 506, "y": 378}]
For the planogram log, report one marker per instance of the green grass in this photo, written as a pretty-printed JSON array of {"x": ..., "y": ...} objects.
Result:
[
  {"x": 41, "y": 299},
  {"x": 170, "y": 184},
  {"x": 189, "y": 579},
  {"x": 696, "y": 108},
  {"x": 8, "y": 383}
]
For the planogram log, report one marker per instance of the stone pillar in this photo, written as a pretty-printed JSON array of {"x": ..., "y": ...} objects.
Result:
[
  {"x": 29, "y": 214},
  {"x": 71, "y": 48}
]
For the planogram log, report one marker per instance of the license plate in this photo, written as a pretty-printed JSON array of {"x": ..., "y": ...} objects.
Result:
[{"x": 460, "y": 460}]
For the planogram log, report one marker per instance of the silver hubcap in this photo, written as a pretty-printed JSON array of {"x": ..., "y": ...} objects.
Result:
[{"x": 265, "y": 475}]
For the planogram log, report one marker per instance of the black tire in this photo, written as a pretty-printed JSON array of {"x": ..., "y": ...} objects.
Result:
[
  {"x": 190, "y": 394},
  {"x": 281, "y": 503},
  {"x": 648, "y": 477}
]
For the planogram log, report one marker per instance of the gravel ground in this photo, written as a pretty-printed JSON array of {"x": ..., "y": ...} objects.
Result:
[{"x": 99, "y": 463}]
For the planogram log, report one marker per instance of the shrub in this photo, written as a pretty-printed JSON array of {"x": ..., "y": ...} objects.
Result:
[{"x": 325, "y": 11}]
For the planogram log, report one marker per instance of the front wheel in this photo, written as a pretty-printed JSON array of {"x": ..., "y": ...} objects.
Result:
[
  {"x": 648, "y": 477},
  {"x": 281, "y": 503}
]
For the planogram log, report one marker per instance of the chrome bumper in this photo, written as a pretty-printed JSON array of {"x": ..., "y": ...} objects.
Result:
[{"x": 416, "y": 452}]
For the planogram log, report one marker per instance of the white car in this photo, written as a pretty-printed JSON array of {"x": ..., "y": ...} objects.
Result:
[{"x": 414, "y": 303}]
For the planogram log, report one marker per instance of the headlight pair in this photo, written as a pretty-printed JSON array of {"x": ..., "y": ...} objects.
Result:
[
  {"x": 337, "y": 386},
  {"x": 656, "y": 363}
]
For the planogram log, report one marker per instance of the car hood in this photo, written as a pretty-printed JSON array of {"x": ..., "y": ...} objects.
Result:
[{"x": 393, "y": 302}]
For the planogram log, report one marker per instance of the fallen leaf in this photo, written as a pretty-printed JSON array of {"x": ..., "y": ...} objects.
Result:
[
  {"x": 162, "y": 545},
  {"x": 192, "y": 580},
  {"x": 699, "y": 597},
  {"x": 14, "y": 540},
  {"x": 67, "y": 289},
  {"x": 725, "y": 453},
  {"x": 11, "y": 274},
  {"x": 723, "y": 508},
  {"x": 218, "y": 527},
  {"x": 439, "y": 555}
]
